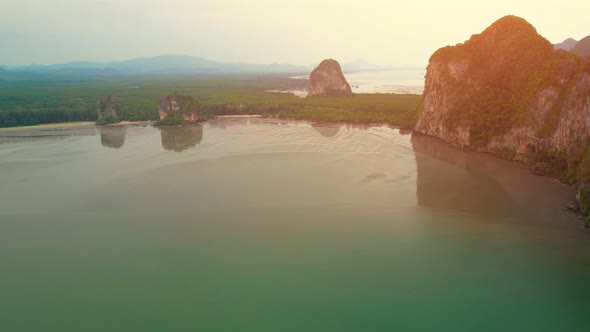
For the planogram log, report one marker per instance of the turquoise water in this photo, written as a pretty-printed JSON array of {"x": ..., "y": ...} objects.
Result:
[{"x": 267, "y": 225}]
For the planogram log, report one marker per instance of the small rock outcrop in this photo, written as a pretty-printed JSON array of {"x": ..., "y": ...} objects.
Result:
[
  {"x": 107, "y": 110},
  {"x": 327, "y": 80},
  {"x": 183, "y": 108}
]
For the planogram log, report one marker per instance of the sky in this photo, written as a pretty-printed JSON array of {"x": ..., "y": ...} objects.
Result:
[{"x": 303, "y": 32}]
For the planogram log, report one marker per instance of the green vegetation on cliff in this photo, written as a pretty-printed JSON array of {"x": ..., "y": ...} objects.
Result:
[
  {"x": 179, "y": 109},
  {"x": 572, "y": 168},
  {"x": 107, "y": 110},
  {"x": 109, "y": 119},
  {"x": 188, "y": 104},
  {"x": 504, "y": 69},
  {"x": 172, "y": 121}
]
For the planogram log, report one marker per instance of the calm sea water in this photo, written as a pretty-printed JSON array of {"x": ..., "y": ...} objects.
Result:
[
  {"x": 268, "y": 225},
  {"x": 401, "y": 81},
  {"x": 387, "y": 81}
]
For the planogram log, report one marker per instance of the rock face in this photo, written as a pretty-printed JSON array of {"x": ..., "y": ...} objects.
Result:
[
  {"x": 107, "y": 106},
  {"x": 567, "y": 44},
  {"x": 180, "y": 106},
  {"x": 506, "y": 91},
  {"x": 582, "y": 48},
  {"x": 327, "y": 80}
]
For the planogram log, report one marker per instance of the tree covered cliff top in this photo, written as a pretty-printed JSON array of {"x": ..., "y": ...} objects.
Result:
[{"x": 499, "y": 74}]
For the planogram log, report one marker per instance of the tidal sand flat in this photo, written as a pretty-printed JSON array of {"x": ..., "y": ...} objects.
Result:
[{"x": 253, "y": 224}]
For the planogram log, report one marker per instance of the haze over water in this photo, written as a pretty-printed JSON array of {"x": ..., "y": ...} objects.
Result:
[
  {"x": 407, "y": 81},
  {"x": 273, "y": 225}
]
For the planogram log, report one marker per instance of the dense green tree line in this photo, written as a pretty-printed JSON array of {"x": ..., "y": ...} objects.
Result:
[
  {"x": 13, "y": 118},
  {"x": 36, "y": 101}
]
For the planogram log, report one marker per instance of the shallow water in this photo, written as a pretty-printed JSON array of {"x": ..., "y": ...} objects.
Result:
[
  {"x": 272, "y": 225},
  {"x": 387, "y": 81},
  {"x": 400, "y": 81}
]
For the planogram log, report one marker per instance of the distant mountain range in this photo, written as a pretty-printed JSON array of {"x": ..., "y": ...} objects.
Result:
[
  {"x": 581, "y": 48},
  {"x": 164, "y": 64},
  {"x": 181, "y": 64},
  {"x": 567, "y": 44}
]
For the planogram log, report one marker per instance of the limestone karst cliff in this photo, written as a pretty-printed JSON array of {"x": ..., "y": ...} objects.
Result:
[
  {"x": 107, "y": 109},
  {"x": 327, "y": 80},
  {"x": 180, "y": 109},
  {"x": 506, "y": 91}
]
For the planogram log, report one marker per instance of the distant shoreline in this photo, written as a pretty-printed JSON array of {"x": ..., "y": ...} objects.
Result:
[
  {"x": 237, "y": 116},
  {"x": 49, "y": 125},
  {"x": 122, "y": 123}
]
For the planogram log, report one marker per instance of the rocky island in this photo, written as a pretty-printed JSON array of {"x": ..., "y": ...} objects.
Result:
[
  {"x": 327, "y": 80},
  {"x": 107, "y": 109},
  {"x": 176, "y": 109},
  {"x": 508, "y": 92}
]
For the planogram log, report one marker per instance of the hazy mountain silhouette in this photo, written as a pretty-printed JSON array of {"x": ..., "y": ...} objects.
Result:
[
  {"x": 182, "y": 64},
  {"x": 162, "y": 64},
  {"x": 582, "y": 47},
  {"x": 567, "y": 44}
]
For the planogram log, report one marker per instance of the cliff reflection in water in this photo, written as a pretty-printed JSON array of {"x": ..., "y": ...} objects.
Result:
[
  {"x": 112, "y": 136},
  {"x": 181, "y": 138},
  {"x": 326, "y": 130},
  {"x": 461, "y": 180}
]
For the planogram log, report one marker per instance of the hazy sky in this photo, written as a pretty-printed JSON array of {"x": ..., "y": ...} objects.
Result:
[{"x": 294, "y": 31}]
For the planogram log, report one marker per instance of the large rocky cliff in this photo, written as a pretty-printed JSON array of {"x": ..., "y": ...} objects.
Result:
[
  {"x": 327, "y": 80},
  {"x": 506, "y": 91}
]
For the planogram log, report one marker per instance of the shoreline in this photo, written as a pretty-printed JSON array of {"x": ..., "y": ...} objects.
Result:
[
  {"x": 52, "y": 124},
  {"x": 128, "y": 123},
  {"x": 585, "y": 226},
  {"x": 238, "y": 116}
]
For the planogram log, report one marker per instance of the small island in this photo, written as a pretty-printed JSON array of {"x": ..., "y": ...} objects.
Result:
[
  {"x": 178, "y": 110},
  {"x": 328, "y": 80},
  {"x": 107, "y": 110}
]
